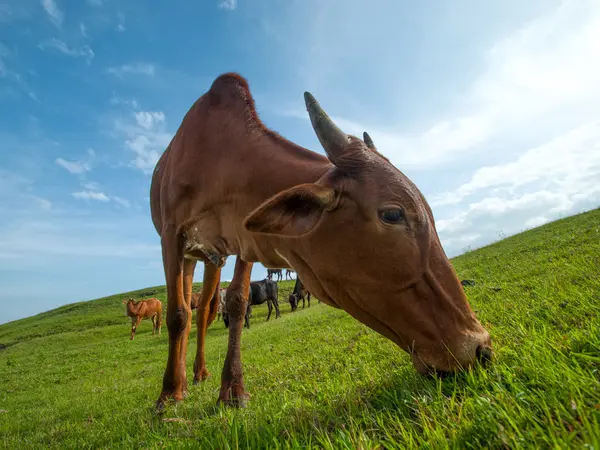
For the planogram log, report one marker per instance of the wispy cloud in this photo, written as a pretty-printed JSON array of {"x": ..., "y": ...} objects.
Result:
[
  {"x": 121, "y": 201},
  {"x": 120, "y": 21},
  {"x": 56, "y": 15},
  {"x": 42, "y": 202},
  {"x": 91, "y": 186},
  {"x": 91, "y": 195},
  {"x": 569, "y": 162},
  {"x": 229, "y": 5},
  {"x": 11, "y": 75},
  {"x": 539, "y": 74},
  {"x": 83, "y": 51},
  {"x": 149, "y": 119},
  {"x": 74, "y": 167},
  {"x": 5, "y": 13},
  {"x": 134, "y": 69},
  {"x": 146, "y": 137},
  {"x": 83, "y": 30},
  {"x": 132, "y": 103}
]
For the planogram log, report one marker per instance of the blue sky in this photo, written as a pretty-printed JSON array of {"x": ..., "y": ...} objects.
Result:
[{"x": 490, "y": 107}]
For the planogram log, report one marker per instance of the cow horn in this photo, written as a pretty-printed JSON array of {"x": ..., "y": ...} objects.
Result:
[
  {"x": 368, "y": 140},
  {"x": 330, "y": 136}
]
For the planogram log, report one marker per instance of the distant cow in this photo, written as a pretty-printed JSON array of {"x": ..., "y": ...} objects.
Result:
[
  {"x": 289, "y": 273},
  {"x": 265, "y": 291},
  {"x": 143, "y": 309},
  {"x": 214, "y": 308},
  {"x": 221, "y": 306},
  {"x": 259, "y": 292},
  {"x": 298, "y": 293},
  {"x": 271, "y": 272}
]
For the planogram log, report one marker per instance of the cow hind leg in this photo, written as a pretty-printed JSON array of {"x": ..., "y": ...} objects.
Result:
[
  {"x": 153, "y": 324},
  {"x": 179, "y": 317},
  {"x": 233, "y": 392},
  {"x": 270, "y": 306},
  {"x": 276, "y": 304},
  {"x": 210, "y": 284}
]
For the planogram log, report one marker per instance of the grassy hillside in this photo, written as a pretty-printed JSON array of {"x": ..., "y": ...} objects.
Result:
[{"x": 70, "y": 378}]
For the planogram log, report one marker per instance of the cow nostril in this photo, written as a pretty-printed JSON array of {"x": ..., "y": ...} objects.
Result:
[{"x": 484, "y": 354}]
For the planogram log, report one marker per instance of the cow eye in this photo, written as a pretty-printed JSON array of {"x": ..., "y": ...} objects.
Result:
[{"x": 392, "y": 215}]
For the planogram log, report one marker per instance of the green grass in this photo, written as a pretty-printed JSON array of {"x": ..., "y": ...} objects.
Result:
[{"x": 70, "y": 378}]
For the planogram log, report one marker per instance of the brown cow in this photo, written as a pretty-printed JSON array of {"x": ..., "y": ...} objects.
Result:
[
  {"x": 214, "y": 305},
  {"x": 144, "y": 309},
  {"x": 358, "y": 232}
]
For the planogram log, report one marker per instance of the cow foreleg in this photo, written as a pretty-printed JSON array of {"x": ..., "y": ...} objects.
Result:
[
  {"x": 210, "y": 284},
  {"x": 232, "y": 391},
  {"x": 308, "y": 298},
  {"x": 134, "y": 324},
  {"x": 179, "y": 317}
]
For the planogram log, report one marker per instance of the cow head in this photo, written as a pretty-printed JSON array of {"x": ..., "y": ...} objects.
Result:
[
  {"x": 370, "y": 246},
  {"x": 293, "y": 299}
]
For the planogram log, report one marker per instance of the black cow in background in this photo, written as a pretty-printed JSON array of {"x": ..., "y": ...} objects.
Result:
[
  {"x": 298, "y": 293},
  {"x": 260, "y": 292}
]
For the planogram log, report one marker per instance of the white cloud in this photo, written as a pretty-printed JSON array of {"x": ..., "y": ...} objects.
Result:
[
  {"x": 91, "y": 186},
  {"x": 56, "y": 44},
  {"x": 91, "y": 195},
  {"x": 83, "y": 30},
  {"x": 541, "y": 78},
  {"x": 134, "y": 69},
  {"x": 121, "y": 201},
  {"x": 147, "y": 138},
  {"x": 74, "y": 167},
  {"x": 43, "y": 203},
  {"x": 568, "y": 162},
  {"x": 132, "y": 103},
  {"x": 536, "y": 221},
  {"x": 229, "y": 5},
  {"x": 149, "y": 119},
  {"x": 56, "y": 15}
]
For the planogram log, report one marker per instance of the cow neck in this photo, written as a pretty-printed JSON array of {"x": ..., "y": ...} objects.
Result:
[{"x": 281, "y": 164}]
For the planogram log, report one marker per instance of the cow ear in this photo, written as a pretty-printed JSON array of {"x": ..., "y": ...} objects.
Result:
[{"x": 293, "y": 212}]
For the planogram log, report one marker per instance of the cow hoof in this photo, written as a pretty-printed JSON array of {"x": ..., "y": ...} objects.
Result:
[
  {"x": 239, "y": 401},
  {"x": 201, "y": 376},
  {"x": 164, "y": 399}
]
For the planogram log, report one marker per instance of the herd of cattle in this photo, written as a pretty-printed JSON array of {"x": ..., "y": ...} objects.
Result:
[{"x": 260, "y": 292}]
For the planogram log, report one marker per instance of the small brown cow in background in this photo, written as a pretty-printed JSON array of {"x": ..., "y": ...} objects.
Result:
[{"x": 144, "y": 309}]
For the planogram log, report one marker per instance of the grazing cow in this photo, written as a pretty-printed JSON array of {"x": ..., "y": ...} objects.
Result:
[
  {"x": 358, "y": 232},
  {"x": 271, "y": 272},
  {"x": 289, "y": 273},
  {"x": 144, "y": 309},
  {"x": 265, "y": 291},
  {"x": 260, "y": 292},
  {"x": 221, "y": 306},
  {"x": 298, "y": 293}
]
